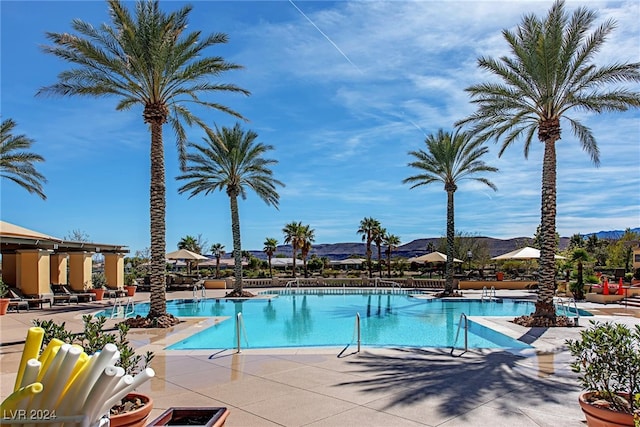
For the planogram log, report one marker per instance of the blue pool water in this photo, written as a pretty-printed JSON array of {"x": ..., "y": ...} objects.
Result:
[{"x": 300, "y": 320}]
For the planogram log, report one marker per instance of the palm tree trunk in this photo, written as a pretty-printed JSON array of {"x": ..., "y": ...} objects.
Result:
[
  {"x": 547, "y": 269},
  {"x": 157, "y": 192},
  {"x": 369, "y": 258},
  {"x": 448, "y": 286},
  {"x": 270, "y": 268},
  {"x": 379, "y": 261},
  {"x": 217, "y": 267},
  {"x": 389, "y": 263},
  {"x": 237, "y": 246},
  {"x": 294, "y": 261}
]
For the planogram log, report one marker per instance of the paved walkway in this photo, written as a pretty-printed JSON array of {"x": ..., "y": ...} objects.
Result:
[{"x": 315, "y": 387}]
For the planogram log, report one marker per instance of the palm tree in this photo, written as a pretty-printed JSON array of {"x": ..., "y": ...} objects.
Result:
[
  {"x": 378, "y": 237},
  {"x": 579, "y": 255},
  {"x": 368, "y": 226},
  {"x": 550, "y": 72},
  {"x": 307, "y": 237},
  {"x": 16, "y": 164},
  {"x": 217, "y": 249},
  {"x": 152, "y": 61},
  {"x": 270, "y": 246},
  {"x": 231, "y": 160},
  {"x": 450, "y": 158},
  {"x": 292, "y": 235},
  {"x": 391, "y": 241},
  {"x": 191, "y": 244}
]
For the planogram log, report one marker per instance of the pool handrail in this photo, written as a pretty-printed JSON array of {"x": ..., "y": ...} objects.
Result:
[
  {"x": 466, "y": 334},
  {"x": 565, "y": 304},
  {"x": 356, "y": 332}
]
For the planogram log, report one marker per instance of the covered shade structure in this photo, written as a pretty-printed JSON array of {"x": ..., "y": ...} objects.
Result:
[
  {"x": 525, "y": 253},
  {"x": 432, "y": 257}
]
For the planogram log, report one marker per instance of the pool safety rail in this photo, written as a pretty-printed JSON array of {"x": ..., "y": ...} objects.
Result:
[
  {"x": 119, "y": 310},
  {"x": 489, "y": 294},
  {"x": 464, "y": 322},
  {"x": 202, "y": 293},
  {"x": 240, "y": 330},
  {"x": 355, "y": 337},
  {"x": 566, "y": 305}
]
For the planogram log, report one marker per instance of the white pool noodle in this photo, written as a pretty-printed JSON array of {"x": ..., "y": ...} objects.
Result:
[
  {"x": 31, "y": 371},
  {"x": 102, "y": 360},
  {"x": 124, "y": 382},
  {"x": 50, "y": 401},
  {"x": 102, "y": 390},
  {"x": 69, "y": 402},
  {"x": 139, "y": 379},
  {"x": 49, "y": 378}
]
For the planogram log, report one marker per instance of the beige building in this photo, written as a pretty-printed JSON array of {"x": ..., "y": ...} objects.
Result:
[{"x": 33, "y": 261}]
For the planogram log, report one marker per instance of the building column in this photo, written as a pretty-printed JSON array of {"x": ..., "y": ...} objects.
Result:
[
  {"x": 58, "y": 262},
  {"x": 80, "y": 267},
  {"x": 10, "y": 269},
  {"x": 33, "y": 271},
  {"x": 114, "y": 270}
]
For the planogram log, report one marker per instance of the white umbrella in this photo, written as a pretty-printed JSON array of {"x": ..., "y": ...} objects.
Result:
[
  {"x": 432, "y": 257},
  {"x": 523, "y": 254},
  {"x": 185, "y": 255}
]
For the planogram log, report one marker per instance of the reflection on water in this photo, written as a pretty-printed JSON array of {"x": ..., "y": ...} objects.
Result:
[
  {"x": 299, "y": 325},
  {"x": 269, "y": 312}
]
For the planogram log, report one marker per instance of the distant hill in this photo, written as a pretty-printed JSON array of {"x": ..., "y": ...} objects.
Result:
[{"x": 339, "y": 251}]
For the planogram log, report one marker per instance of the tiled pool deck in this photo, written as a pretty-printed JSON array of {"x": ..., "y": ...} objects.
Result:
[{"x": 376, "y": 387}]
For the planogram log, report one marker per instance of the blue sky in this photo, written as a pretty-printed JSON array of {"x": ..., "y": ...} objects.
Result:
[{"x": 343, "y": 91}]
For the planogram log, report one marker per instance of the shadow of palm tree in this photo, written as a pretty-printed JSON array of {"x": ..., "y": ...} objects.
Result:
[{"x": 459, "y": 384}]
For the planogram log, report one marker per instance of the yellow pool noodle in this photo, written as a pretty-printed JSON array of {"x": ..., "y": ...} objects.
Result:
[
  {"x": 11, "y": 402},
  {"x": 44, "y": 356},
  {"x": 31, "y": 350},
  {"x": 80, "y": 365},
  {"x": 52, "y": 355}
]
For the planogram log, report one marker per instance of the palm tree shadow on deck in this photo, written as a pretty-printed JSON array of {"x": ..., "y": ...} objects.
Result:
[{"x": 457, "y": 384}]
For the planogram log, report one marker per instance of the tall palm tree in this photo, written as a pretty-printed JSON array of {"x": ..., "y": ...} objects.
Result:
[
  {"x": 307, "y": 237},
  {"x": 231, "y": 160},
  {"x": 292, "y": 235},
  {"x": 367, "y": 229},
  {"x": 450, "y": 158},
  {"x": 16, "y": 164},
  {"x": 152, "y": 61},
  {"x": 217, "y": 249},
  {"x": 550, "y": 73},
  {"x": 391, "y": 241},
  {"x": 378, "y": 237},
  {"x": 270, "y": 246}
]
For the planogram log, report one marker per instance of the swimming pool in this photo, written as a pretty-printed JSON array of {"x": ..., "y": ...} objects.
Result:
[{"x": 323, "y": 320}]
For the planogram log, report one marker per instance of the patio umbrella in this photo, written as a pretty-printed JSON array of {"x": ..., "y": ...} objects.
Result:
[
  {"x": 523, "y": 254},
  {"x": 185, "y": 255},
  {"x": 432, "y": 257}
]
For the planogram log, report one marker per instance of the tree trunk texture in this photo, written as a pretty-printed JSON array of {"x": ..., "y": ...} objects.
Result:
[{"x": 237, "y": 245}]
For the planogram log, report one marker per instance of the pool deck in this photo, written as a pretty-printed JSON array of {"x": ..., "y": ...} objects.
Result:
[{"x": 376, "y": 387}]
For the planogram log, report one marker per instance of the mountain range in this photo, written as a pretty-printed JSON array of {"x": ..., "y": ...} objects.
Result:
[{"x": 339, "y": 251}]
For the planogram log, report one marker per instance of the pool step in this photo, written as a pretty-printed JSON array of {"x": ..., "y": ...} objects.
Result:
[{"x": 633, "y": 301}]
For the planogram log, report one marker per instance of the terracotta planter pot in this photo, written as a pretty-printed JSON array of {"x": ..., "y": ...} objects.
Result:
[
  {"x": 131, "y": 290},
  {"x": 601, "y": 417},
  {"x": 192, "y": 416},
  {"x": 4, "y": 305},
  {"x": 99, "y": 293},
  {"x": 137, "y": 418},
  {"x": 499, "y": 275}
]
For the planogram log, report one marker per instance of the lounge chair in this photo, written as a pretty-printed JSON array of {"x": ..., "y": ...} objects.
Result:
[
  {"x": 17, "y": 303},
  {"x": 81, "y": 296},
  {"x": 60, "y": 296},
  {"x": 32, "y": 301}
]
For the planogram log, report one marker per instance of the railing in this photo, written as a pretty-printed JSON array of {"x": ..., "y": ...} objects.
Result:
[
  {"x": 240, "y": 328},
  {"x": 382, "y": 282},
  {"x": 565, "y": 305},
  {"x": 118, "y": 309},
  {"x": 356, "y": 335},
  {"x": 290, "y": 283},
  {"x": 203, "y": 292},
  {"x": 488, "y": 293},
  {"x": 466, "y": 334}
]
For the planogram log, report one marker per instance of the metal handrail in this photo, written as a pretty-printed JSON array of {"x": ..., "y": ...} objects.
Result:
[
  {"x": 240, "y": 327},
  {"x": 356, "y": 333},
  {"x": 488, "y": 293},
  {"x": 466, "y": 334},
  {"x": 291, "y": 282},
  {"x": 203, "y": 292},
  {"x": 566, "y": 306},
  {"x": 387, "y": 282}
]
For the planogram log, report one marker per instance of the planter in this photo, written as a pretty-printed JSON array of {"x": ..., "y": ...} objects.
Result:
[
  {"x": 4, "y": 305},
  {"x": 99, "y": 293},
  {"x": 192, "y": 416},
  {"x": 131, "y": 290},
  {"x": 602, "y": 417},
  {"x": 499, "y": 275},
  {"x": 135, "y": 418}
]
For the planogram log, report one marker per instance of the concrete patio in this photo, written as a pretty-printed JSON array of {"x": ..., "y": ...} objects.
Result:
[{"x": 315, "y": 387}]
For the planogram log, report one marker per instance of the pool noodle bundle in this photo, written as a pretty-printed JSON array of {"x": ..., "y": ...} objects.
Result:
[{"x": 63, "y": 381}]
